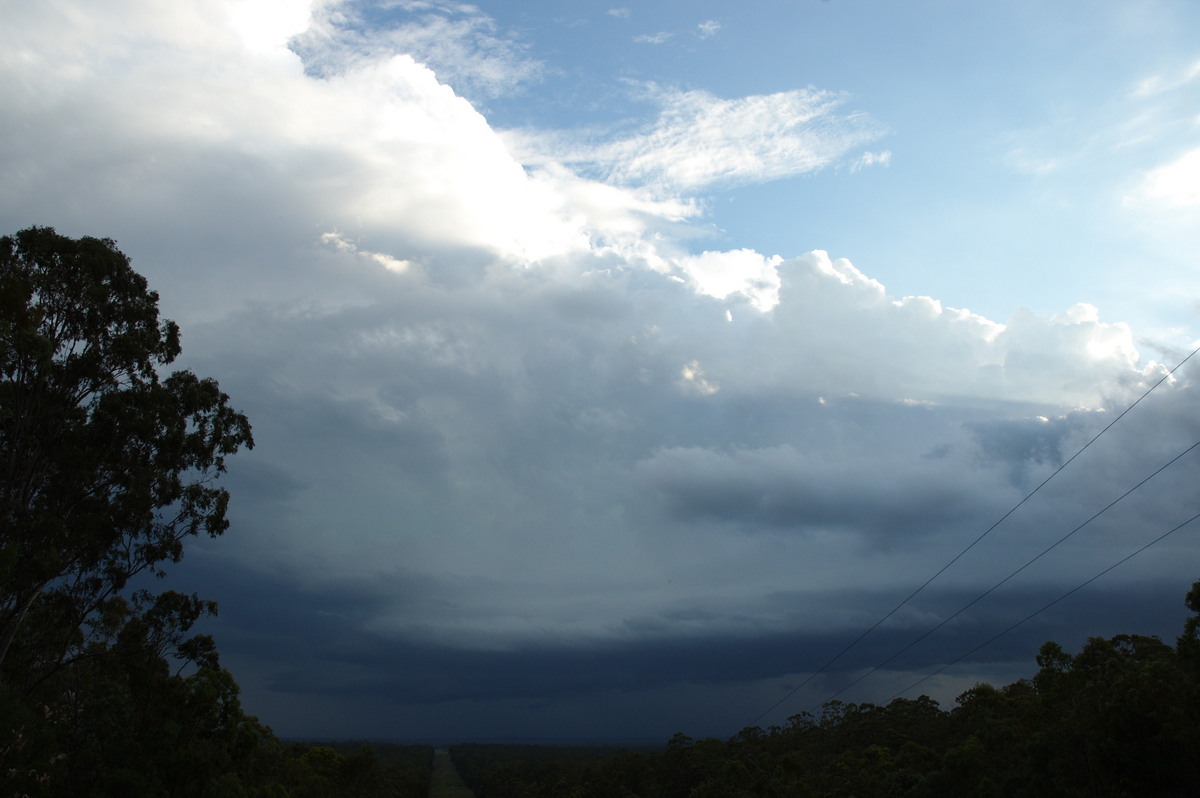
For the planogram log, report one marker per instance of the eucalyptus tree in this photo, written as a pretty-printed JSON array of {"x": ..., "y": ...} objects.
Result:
[{"x": 108, "y": 462}]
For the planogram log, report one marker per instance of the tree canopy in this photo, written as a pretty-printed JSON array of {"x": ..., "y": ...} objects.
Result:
[{"x": 106, "y": 464}]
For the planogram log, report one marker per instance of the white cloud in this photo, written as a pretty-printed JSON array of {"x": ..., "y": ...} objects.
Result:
[
  {"x": 459, "y": 42},
  {"x": 381, "y": 147},
  {"x": 1022, "y": 161},
  {"x": 662, "y": 37},
  {"x": 1166, "y": 81},
  {"x": 265, "y": 26},
  {"x": 620, "y": 13},
  {"x": 1176, "y": 183},
  {"x": 867, "y": 159},
  {"x": 691, "y": 378},
  {"x": 339, "y": 243},
  {"x": 743, "y": 271},
  {"x": 1113, "y": 139},
  {"x": 699, "y": 140},
  {"x": 708, "y": 29}
]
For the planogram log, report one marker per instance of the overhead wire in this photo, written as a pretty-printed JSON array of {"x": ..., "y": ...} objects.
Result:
[
  {"x": 903, "y": 602},
  {"x": 1045, "y": 607},
  {"x": 1028, "y": 563}
]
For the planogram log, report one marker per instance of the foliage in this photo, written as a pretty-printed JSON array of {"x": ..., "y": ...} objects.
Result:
[
  {"x": 547, "y": 771},
  {"x": 1116, "y": 719},
  {"x": 107, "y": 466},
  {"x": 356, "y": 770}
]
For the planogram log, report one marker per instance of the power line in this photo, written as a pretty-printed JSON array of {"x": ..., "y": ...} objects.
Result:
[
  {"x": 971, "y": 545},
  {"x": 996, "y": 586},
  {"x": 1034, "y": 614}
]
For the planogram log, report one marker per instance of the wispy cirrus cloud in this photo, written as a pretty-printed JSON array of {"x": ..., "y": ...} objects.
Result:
[
  {"x": 1167, "y": 81},
  {"x": 662, "y": 37},
  {"x": 463, "y": 45},
  {"x": 882, "y": 158},
  {"x": 699, "y": 140}
]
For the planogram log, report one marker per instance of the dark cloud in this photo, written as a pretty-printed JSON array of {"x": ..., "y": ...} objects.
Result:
[
  {"x": 311, "y": 641},
  {"x": 783, "y": 489},
  {"x": 1022, "y": 444},
  {"x": 525, "y": 463}
]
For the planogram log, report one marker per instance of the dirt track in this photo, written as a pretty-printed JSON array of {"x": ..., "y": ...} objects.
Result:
[{"x": 446, "y": 781}]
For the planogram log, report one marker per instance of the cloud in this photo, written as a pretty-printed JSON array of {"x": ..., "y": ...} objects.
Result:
[
  {"x": 459, "y": 42},
  {"x": 516, "y": 441},
  {"x": 620, "y": 13},
  {"x": 1026, "y": 444},
  {"x": 707, "y": 29},
  {"x": 782, "y": 488},
  {"x": 347, "y": 137},
  {"x": 691, "y": 378},
  {"x": 336, "y": 241},
  {"x": 265, "y": 26},
  {"x": 1167, "y": 82},
  {"x": 700, "y": 140},
  {"x": 545, "y": 441},
  {"x": 662, "y": 37},
  {"x": 883, "y": 158},
  {"x": 337, "y": 670},
  {"x": 1022, "y": 161},
  {"x": 1176, "y": 183},
  {"x": 744, "y": 271}
]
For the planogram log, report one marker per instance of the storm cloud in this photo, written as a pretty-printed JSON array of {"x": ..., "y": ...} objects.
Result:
[{"x": 530, "y": 461}]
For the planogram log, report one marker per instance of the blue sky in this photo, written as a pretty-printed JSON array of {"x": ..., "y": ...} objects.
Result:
[
  {"x": 612, "y": 367},
  {"x": 1022, "y": 129}
]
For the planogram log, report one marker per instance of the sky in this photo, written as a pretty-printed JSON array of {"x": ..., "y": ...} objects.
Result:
[{"x": 614, "y": 367}]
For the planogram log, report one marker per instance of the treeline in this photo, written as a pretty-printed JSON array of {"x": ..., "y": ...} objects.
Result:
[
  {"x": 356, "y": 770},
  {"x": 1119, "y": 718},
  {"x": 560, "y": 770}
]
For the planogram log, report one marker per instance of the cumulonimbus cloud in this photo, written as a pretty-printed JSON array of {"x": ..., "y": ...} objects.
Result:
[{"x": 497, "y": 388}]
